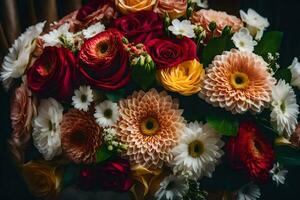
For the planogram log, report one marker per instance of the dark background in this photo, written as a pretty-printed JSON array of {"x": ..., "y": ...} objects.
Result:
[{"x": 16, "y": 15}]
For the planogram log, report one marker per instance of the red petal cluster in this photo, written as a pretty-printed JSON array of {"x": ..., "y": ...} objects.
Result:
[
  {"x": 250, "y": 151},
  {"x": 103, "y": 61}
]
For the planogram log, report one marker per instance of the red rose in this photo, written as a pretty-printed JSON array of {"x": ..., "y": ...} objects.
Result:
[
  {"x": 251, "y": 152},
  {"x": 114, "y": 175},
  {"x": 140, "y": 27},
  {"x": 171, "y": 52},
  {"x": 95, "y": 11},
  {"x": 103, "y": 61},
  {"x": 87, "y": 178},
  {"x": 54, "y": 74}
]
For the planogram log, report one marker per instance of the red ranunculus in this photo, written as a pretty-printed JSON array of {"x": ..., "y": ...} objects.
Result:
[
  {"x": 250, "y": 151},
  {"x": 114, "y": 175},
  {"x": 140, "y": 27},
  {"x": 171, "y": 52},
  {"x": 54, "y": 74},
  {"x": 103, "y": 61}
]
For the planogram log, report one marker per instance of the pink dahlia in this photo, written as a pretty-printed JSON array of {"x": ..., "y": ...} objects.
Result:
[
  {"x": 149, "y": 124},
  {"x": 239, "y": 82}
]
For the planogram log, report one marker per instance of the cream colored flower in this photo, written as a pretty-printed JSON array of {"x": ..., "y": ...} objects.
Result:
[
  {"x": 256, "y": 24},
  {"x": 46, "y": 128},
  {"x": 17, "y": 59}
]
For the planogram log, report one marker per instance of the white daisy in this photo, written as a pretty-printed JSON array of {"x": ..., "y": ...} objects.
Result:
[
  {"x": 182, "y": 28},
  {"x": 255, "y": 23},
  {"x": 46, "y": 128},
  {"x": 198, "y": 151},
  {"x": 107, "y": 113},
  {"x": 243, "y": 40},
  {"x": 93, "y": 30},
  {"x": 278, "y": 174},
  {"x": 295, "y": 71},
  {"x": 60, "y": 36},
  {"x": 284, "y": 108},
  {"x": 83, "y": 98},
  {"x": 17, "y": 59},
  {"x": 248, "y": 192},
  {"x": 171, "y": 188},
  {"x": 201, "y": 3}
]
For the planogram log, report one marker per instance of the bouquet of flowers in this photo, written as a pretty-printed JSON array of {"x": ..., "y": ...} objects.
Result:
[{"x": 165, "y": 99}]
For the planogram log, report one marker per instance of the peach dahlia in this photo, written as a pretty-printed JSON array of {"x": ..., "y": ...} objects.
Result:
[
  {"x": 239, "y": 82},
  {"x": 149, "y": 124}
]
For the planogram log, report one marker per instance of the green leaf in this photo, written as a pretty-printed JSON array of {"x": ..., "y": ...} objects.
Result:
[
  {"x": 215, "y": 47},
  {"x": 284, "y": 74},
  {"x": 103, "y": 154},
  {"x": 270, "y": 43},
  {"x": 116, "y": 95},
  {"x": 70, "y": 174},
  {"x": 287, "y": 155},
  {"x": 143, "y": 76},
  {"x": 223, "y": 124}
]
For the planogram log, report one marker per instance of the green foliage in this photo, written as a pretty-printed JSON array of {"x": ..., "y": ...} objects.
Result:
[
  {"x": 115, "y": 96},
  {"x": 224, "y": 124},
  {"x": 144, "y": 76},
  {"x": 284, "y": 74},
  {"x": 287, "y": 156},
  {"x": 71, "y": 173},
  {"x": 270, "y": 43},
  {"x": 195, "y": 192},
  {"x": 103, "y": 154},
  {"x": 215, "y": 47}
]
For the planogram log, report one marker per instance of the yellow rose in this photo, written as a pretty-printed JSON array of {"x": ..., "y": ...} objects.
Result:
[
  {"x": 132, "y": 6},
  {"x": 146, "y": 181},
  {"x": 43, "y": 179},
  {"x": 184, "y": 78}
]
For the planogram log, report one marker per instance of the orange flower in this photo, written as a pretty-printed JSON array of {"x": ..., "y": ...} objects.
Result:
[
  {"x": 80, "y": 136},
  {"x": 238, "y": 81},
  {"x": 222, "y": 19},
  {"x": 132, "y": 6},
  {"x": 184, "y": 78},
  {"x": 43, "y": 179},
  {"x": 149, "y": 125},
  {"x": 174, "y": 8}
]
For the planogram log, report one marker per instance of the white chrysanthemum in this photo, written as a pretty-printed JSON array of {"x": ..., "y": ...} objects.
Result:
[
  {"x": 198, "y": 151},
  {"x": 60, "y": 36},
  {"x": 278, "y": 174},
  {"x": 248, "y": 192},
  {"x": 93, "y": 30},
  {"x": 171, "y": 188},
  {"x": 83, "y": 98},
  {"x": 284, "y": 108},
  {"x": 16, "y": 61},
  {"x": 107, "y": 113},
  {"x": 255, "y": 23},
  {"x": 295, "y": 71},
  {"x": 46, "y": 128},
  {"x": 243, "y": 40},
  {"x": 201, "y": 3},
  {"x": 182, "y": 28}
]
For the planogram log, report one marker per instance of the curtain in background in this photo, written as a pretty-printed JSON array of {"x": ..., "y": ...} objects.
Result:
[{"x": 16, "y": 15}]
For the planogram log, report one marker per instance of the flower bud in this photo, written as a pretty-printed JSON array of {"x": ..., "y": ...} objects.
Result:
[{"x": 212, "y": 26}]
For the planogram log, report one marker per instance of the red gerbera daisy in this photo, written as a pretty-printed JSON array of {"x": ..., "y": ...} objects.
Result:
[{"x": 250, "y": 151}]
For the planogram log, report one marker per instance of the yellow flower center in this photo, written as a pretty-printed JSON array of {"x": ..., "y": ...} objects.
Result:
[
  {"x": 196, "y": 149},
  {"x": 239, "y": 80},
  {"x": 149, "y": 126}
]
